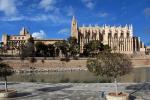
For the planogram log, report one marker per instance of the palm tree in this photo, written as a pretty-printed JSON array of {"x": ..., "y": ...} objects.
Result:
[{"x": 5, "y": 70}]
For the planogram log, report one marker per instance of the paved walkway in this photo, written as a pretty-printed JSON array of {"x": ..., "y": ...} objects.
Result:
[{"x": 76, "y": 91}]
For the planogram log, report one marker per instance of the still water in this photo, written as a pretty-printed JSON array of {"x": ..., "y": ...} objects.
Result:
[{"x": 137, "y": 75}]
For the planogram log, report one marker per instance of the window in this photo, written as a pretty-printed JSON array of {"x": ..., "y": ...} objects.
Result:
[
  {"x": 18, "y": 37},
  {"x": 128, "y": 35},
  {"x": 100, "y": 37},
  {"x": 122, "y": 35},
  {"x": 22, "y": 37},
  {"x": 15, "y": 37},
  {"x": 115, "y": 35},
  {"x": 109, "y": 35},
  {"x": 10, "y": 37}
]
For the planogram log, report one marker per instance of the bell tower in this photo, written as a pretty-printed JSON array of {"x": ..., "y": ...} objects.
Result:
[
  {"x": 74, "y": 28},
  {"x": 24, "y": 31}
]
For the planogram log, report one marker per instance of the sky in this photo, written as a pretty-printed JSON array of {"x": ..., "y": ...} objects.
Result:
[{"x": 52, "y": 18}]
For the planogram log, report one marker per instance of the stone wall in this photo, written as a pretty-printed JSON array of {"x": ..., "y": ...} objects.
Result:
[
  {"x": 141, "y": 62},
  {"x": 48, "y": 65},
  {"x": 57, "y": 64}
]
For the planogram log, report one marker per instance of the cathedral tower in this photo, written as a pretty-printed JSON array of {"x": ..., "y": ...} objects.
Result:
[
  {"x": 74, "y": 28},
  {"x": 24, "y": 31}
]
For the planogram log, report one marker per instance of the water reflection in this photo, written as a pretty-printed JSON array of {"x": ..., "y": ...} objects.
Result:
[{"x": 137, "y": 75}]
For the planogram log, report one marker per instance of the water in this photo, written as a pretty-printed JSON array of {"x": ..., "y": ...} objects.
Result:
[{"x": 137, "y": 75}]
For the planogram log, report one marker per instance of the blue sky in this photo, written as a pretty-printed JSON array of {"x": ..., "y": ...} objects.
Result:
[{"x": 52, "y": 18}]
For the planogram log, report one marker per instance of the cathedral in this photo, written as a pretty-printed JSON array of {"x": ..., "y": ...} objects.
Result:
[{"x": 119, "y": 38}]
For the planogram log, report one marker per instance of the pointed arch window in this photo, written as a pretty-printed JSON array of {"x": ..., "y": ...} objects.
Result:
[
  {"x": 122, "y": 35},
  {"x": 109, "y": 35},
  {"x": 115, "y": 35},
  {"x": 100, "y": 37},
  {"x": 128, "y": 35}
]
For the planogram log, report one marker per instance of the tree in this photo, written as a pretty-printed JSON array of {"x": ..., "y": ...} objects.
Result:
[
  {"x": 110, "y": 64},
  {"x": 30, "y": 45},
  {"x": 31, "y": 40},
  {"x": 1, "y": 47},
  {"x": 93, "y": 47},
  {"x": 5, "y": 70},
  {"x": 106, "y": 48},
  {"x": 41, "y": 49},
  {"x": 72, "y": 40},
  {"x": 57, "y": 48},
  {"x": 27, "y": 49},
  {"x": 51, "y": 50},
  {"x": 73, "y": 46},
  {"x": 63, "y": 46}
]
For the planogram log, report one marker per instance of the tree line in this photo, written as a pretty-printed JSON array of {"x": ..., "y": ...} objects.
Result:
[{"x": 64, "y": 48}]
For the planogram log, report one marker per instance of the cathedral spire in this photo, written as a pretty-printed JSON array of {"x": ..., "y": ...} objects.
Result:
[
  {"x": 23, "y": 31},
  {"x": 74, "y": 28},
  {"x": 73, "y": 18}
]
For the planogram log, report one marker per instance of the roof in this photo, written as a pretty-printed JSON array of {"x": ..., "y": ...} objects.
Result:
[{"x": 48, "y": 39}]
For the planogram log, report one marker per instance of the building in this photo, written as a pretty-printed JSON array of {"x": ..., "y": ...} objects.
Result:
[
  {"x": 14, "y": 42},
  {"x": 119, "y": 38},
  {"x": 47, "y": 41},
  {"x": 148, "y": 50}
]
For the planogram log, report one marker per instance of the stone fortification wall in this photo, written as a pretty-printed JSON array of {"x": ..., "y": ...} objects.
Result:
[
  {"x": 47, "y": 64},
  {"x": 141, "y": 62},
  {"x": 50, "y": 64}
]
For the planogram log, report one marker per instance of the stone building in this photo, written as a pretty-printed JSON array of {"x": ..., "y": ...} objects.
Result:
[
  {"x": 47, "y": 41},
  {"x": 12, "y": 43},
  {"x": 119, "y": 38},
  {"x": 148, "y": 50}
]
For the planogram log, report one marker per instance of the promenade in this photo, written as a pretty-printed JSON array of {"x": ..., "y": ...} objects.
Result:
[{"x": 76, "y": 91}]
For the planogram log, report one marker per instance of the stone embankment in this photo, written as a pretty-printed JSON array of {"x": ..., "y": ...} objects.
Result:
[{"x": 50, "y": 64}]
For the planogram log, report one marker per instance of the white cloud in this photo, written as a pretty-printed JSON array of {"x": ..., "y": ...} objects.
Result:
[
  {"x": 55, "y": 19},
  {"x": 89, "y": 3},
  {"x": 64, "y": 31},
  {"x": 70, "y": 11},
  {"x": 47, "y": 4},
  {"x": 12, "y": 18},
  {"x": 147, "y": 12},
  {"x": 103, "y": 14},
  {"x": 39, "y": 35},
  {"x": 37, "y": 18},
  {"x": 8, "y": 7}
]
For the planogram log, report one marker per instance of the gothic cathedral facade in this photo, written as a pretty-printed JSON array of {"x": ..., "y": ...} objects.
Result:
[{"x": 119, "y": 38}]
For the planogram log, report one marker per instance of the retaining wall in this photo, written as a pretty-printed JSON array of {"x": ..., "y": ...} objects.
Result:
[{"x": 48, "y": 64}]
